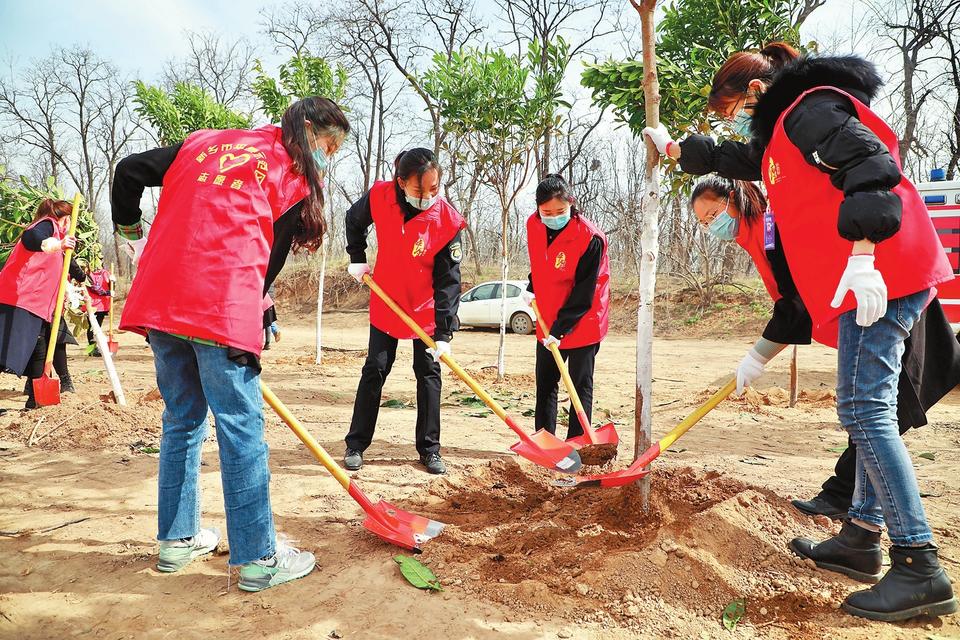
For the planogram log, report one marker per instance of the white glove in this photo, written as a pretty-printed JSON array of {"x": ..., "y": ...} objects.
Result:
[
  {"x": 549, "y": 340},
  {"x": 52, "y": 245},
  {"x": 527, "y": 297},
  {"x": 749, "y": 369},
  {"x": 868, "y": 287},
  {"x": 134, "y": 248},
  {"x": 660, "y": 137},
  {"x": 358, "y": 270},
  {"x": 443, "y": 349}
]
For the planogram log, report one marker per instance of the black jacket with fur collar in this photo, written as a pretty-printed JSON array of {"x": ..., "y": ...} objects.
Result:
[{"x": 825, "y": 128}]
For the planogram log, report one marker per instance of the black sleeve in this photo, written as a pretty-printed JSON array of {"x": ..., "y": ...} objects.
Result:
[
  {"x": 700, "y": 155},
  {"x": 284, "y": 231},
  {"x": 825, "y": 128},
  {"x": 133, "y": 174},
  {"x": 790, "y": 322},
  {"x": 530, "y": 282},
  {"x": 581, "y": 296},
  {"x": 359, "y": 219},
  {"x": 34, "y": 237},
  {"x": 446, "y": 288},
  {"x": 77, "y": 272}
]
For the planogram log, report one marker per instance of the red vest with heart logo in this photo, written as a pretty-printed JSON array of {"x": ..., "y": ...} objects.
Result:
[
  {"x": 100, "y": 279},
  {"x": 202, "y": 271},
  {"x": 553, "y": 268},
  {"x": 807, "y": 206},
  {"x": 405, "y": 255},
  {"x": 29, "y": 279}
]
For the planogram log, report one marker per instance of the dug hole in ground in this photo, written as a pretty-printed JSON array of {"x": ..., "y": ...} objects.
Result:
[{"x": 519, "y": 559}]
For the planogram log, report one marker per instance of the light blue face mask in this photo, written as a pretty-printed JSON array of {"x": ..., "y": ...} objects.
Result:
[
  {"x": 421, "y": 203},
  {"x": 556, "y": 222},
  {"x": 741, "y": 123},
  {"x": 320, "y": 158},
  {"x": 724, "y": 227}
]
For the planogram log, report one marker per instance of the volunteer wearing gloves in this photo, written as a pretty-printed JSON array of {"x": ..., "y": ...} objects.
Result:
[
  {"x": 28, "y": 293},
  {"x": 865, "y": 259},
  {"x": 736, "y": 210},
  {"x": 570, "y": 277},
  {"x": 418, "y": 265},
  {"x": 233, "y": 204}
]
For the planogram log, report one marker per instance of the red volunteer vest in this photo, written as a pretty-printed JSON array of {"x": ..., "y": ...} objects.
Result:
[
  {"x": 203, "y": 269},
  {"x": 405, "y": 255},
  {"x": 807, "y": 205},
  {"x": 29, "y": 279},
  {"x": 100, "y": 279},
  {"x": 553, "y": 269}
]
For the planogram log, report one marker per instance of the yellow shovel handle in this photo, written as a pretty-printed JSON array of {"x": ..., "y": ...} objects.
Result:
[
  {"x": 61, "y": 290},
  {"x": 695, "y": 417},
  {"x": 561, "y": 365},
  {"x": 319, "y": 452},
  {"x": 448, "y": 360}
]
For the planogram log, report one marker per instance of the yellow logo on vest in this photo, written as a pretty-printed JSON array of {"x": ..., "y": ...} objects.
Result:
[
  {"x": 774, "y": 174},
  {"x": 229, "y": 161},
  {"x": 561, "y": 261},
  {"x": 419, "y": 248}
]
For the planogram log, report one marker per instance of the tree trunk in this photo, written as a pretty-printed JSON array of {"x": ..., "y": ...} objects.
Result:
[
  {"x": 504, "y": 232},
  {"x": 649, "y": 237},
  {"x": 323, "y": 275}
]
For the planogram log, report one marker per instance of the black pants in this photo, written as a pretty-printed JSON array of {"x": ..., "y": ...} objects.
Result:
[
  {"x": 838, "y": 489},
  {"x": 381, "y": 353},
  {"x": 35, "y": 366},
  {"x": 99, "y": 315},
  {"x": 580, "y": 362}
]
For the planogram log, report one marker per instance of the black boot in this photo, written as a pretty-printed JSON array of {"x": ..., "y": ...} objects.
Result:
[
  {"x": 31, "y": 401},
  {"x": 854, "y": 551},
  {"x": 820, "y": 505},
  {"x": 915, "y": 585},
  {"x": 66, "y": 385}
]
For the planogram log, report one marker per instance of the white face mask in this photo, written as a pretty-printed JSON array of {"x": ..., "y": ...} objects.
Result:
[{"x": 421, "y": 203}]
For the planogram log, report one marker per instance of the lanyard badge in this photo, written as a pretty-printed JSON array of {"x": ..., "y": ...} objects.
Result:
[{"x": 769, "y": 230}]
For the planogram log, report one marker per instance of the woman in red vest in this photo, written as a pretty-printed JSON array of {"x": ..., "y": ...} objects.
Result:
[
  {"x": 233, "y": 205},
  {"x": 418, "y": 265},
  {"x": 28, "y": 293},
  {"x": 570, "y": 277},
  {"x": 98, "y": 286},
  {"x": 849, "y": 222}
]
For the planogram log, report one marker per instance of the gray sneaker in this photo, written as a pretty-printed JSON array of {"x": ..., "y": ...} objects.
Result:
[
  {"x": 176, "y": 554},
  {"x": 288, "y": 563},
  {"x": 353, "y": 459}
]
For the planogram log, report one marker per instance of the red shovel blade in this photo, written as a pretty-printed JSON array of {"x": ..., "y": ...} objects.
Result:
[
  {"x": 46, "y": 390},
  {"x": 604, "y": 434},
  {"x": 113, "y": 346},
  {"x": 395, "y": 525},
  {"x": 549, "y": 451},
  {"x": 615, "y": 478}
]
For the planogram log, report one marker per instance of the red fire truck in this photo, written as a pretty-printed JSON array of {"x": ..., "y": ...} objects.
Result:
[{"x": 942, "y": 198}]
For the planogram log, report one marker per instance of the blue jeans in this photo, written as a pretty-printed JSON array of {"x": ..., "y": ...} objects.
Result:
[
  {"x": 192, "y": 376},
  {"x": 869, "y": 360}
]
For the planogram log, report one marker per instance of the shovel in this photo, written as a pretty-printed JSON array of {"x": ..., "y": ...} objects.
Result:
[
  {"x": 385, "y": 520},
  {"x": 112, "y": 345},
  {"x": 638, "y": 469},
  {"x": 46, "y": 390},
  {"x": 596, "y": 446},
  {"x": 542, "y": 448}
]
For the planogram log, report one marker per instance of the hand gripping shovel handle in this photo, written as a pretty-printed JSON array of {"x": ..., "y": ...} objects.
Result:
[
  {"x": 565, "y": 376},
  {"x": 61, "y": 291}
]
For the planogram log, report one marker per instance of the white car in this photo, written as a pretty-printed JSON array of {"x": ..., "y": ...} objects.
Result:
[{"x": 480, "y": 307}]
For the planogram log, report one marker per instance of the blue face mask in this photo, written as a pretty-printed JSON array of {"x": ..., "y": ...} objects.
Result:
[
  {"x": 421, "y": 203},
  {"x": 556, "y": 222},
  {"x": 724, "y": 227},
  {"x": 741, "y": 123},
  {"x": 320, "y": 158}
]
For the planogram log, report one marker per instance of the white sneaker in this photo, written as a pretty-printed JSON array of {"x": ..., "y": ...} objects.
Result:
[
  {"x": 176, "y": 554},
  {"x": 288, "y": 563}
]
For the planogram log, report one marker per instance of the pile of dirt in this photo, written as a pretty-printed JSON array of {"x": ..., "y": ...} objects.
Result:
[
  {"x": 594, "y": 555},
  {"x": 778, "y": 397},
  {"x": 487, "y": 377},
  {"x": 87, "y": 422}
]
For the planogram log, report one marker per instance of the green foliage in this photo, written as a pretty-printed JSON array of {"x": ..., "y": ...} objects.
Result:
[
  {"x": 19, "y": 200},
  {"x": 733, "y": 613},
  {"x": 299, "y": 77},
  {"x": 186, "y": 109},
  {"x": 418, "y": 574}
]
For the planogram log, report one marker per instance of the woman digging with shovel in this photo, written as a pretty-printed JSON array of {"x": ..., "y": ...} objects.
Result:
[
  {"x": 28, "y": 292},
  {"x": 570, "y": 280},
  {"x": 849, "y": 222},
  {"x": 233, "y": 204},
  {"x": 418, "y": 265}
]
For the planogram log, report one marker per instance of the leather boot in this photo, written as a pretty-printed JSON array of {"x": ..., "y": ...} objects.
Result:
[{"x": 854, "y": 551}]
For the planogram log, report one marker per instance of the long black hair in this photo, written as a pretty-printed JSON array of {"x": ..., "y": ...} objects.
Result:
[
  {"x": 746, "y": 196},
  {"x": 415, "y": 162},
  {"x": 554, "y": 186},
  {"x": 327, "y": 119}
]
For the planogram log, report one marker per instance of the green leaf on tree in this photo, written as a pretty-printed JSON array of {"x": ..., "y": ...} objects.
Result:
[{"x": 418, "y": 574}]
